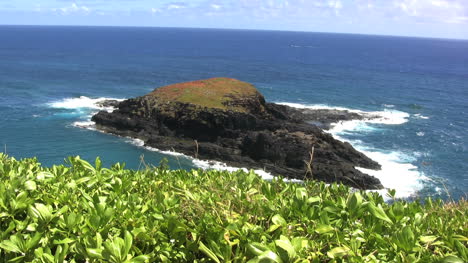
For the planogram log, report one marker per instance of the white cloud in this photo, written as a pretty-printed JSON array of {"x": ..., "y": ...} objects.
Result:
[
  {"x": 175, "y": 6},
  {"x": 73, "y": 8},
  {"x": 335, "y": 4},
  {"x": 215, "y": 6},
  {"x": 38, "y": 8},
  {"x": 447, "y": 11}
]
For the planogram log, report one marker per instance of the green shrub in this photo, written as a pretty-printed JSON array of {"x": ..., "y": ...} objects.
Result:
[{"x": 84, "y": 213}]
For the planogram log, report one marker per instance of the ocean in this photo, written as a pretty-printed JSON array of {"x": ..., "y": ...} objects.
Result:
[{"x": 51, "y": 78}]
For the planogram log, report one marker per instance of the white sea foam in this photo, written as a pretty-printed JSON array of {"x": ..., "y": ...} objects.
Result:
[
  {"x": 224, "y": 167},
  {"x": 345, "y": 127},
  {"x": 205, "y": 164},
  {"x": 81, "y": 102},
  {"x": 90, "y": 125},
  {"x": 419, "y": 116},
  {"x": 397, "y": 171},
  {"x": 387, "y": 116}
]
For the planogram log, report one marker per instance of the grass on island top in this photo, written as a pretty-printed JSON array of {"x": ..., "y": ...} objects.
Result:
[
  {"x": 80, "y": 212},
  {"x": 210, "y": 93}
]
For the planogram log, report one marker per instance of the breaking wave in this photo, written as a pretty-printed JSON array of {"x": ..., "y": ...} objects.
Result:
[
  {"x": 397, "y": 171},
  {"x": 86, "y": 106}
]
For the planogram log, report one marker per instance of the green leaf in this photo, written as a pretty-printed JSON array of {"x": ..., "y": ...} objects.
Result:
[
  {"x": 461, "y": 249},
  {"x": 10, "y": 246},
  {"x": 301, "y": 193},
  {"x": 287, "y": 247},
  {"x": 39, "y": 252},
  {"x": 82, "y": 180},
  {"x": 139, "y": 259},
  {"x": 94, "y": 253},
  {"x": 44, "y": 175},
  {"x": 257, "y": 248},
  {"x": 405, "y": 239},
  {"x": 158, "y": 216},
  {"x": 71, "y": 220},
  {"x": 95, "y": 221},
  {"x": 452, "y": 259},
  {"x": 208, "y": 252},
  {"x": 299, "y": 243},
  {"x": 427, "y": 239},
  {"x": 41, "y": 212},
  {"x": 322, "y": 228},
  {"x": 30, "y": 185},
  {"x": 278, "y": 220},
  {"x": 32, "y": 227},
  {"x": 63, "y": 241},
  {"x": 272, "y": 228},
  {"x": 17, "y": 259},
  {"x": 128, "y": 242},
  {"x": 460, "y": 238},
  {"x": 314, "y": 199},
  {"x": 338, "y": 252},
  {"x": 269, "y": 256},
  {"x": 378, "y": 212},
  {"x": 98, "y": 163},
  {"x": 115, "y": 248},
  {"x": 86, "y": 165},
  {"x": 31, "y": 243},
  {"x": 355, "y": 202}
]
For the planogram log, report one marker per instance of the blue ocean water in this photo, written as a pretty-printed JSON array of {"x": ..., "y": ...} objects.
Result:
[{"x": 51, "y": 76}]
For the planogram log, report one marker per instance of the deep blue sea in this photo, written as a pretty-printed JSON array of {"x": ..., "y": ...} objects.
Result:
[{"x": 50, "y": 78}]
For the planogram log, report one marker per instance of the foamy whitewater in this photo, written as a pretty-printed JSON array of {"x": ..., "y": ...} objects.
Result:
[
  {"x": 204, "y": 164},
  {"x": 84, "y": 104},
  {"x": 397, "y": 171}
]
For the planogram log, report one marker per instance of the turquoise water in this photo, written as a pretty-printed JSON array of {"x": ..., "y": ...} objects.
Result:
[{"x": 51, "y": 76}]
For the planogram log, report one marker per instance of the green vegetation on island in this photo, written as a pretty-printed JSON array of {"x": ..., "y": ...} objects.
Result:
[
  {"x": 217, "y": 93},
  {"x": 83, "y": 213}
]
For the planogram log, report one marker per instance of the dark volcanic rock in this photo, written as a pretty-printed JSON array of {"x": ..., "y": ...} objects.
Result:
[
  {"x": 108, "y": 103},
  {"x": 228, "y": 120}
]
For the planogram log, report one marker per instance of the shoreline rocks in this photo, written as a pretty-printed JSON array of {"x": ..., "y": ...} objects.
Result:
[{"x": 228, "y": 120}]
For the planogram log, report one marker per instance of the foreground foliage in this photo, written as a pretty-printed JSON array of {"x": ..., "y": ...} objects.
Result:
[{"x": 79, "y": 212}]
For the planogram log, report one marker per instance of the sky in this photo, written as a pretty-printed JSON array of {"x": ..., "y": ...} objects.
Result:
[{"x": 424, "y": 18}]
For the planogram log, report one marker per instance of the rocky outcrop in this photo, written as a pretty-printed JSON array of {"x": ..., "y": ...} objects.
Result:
[{"x": 228, "y": 120}]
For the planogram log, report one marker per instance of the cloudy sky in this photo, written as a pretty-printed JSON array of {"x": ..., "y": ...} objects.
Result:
[{"x": 427, "y": 18}]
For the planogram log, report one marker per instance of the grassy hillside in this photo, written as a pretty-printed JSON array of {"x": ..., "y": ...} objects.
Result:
[
  {"x": 216, "y": 93},
  {"x": 85, "y": 213}
]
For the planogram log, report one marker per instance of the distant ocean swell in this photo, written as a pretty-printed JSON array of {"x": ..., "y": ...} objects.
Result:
[{"x": 397, "y": 171}]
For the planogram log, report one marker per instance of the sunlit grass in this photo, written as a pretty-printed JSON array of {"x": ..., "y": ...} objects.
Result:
[{"x": 218, "y": 93}]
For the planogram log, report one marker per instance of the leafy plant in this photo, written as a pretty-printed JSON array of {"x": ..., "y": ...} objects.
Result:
[{"x": 80, "y": 212}]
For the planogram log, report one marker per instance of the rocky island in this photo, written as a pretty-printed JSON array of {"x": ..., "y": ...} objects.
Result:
[{"x": 228, "y": 120}]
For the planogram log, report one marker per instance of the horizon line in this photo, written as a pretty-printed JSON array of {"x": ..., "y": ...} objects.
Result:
[{"x": 239, "y": 29}]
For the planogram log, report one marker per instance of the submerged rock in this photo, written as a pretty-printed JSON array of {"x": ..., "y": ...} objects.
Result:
[{"x": 228, "y": 120}]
